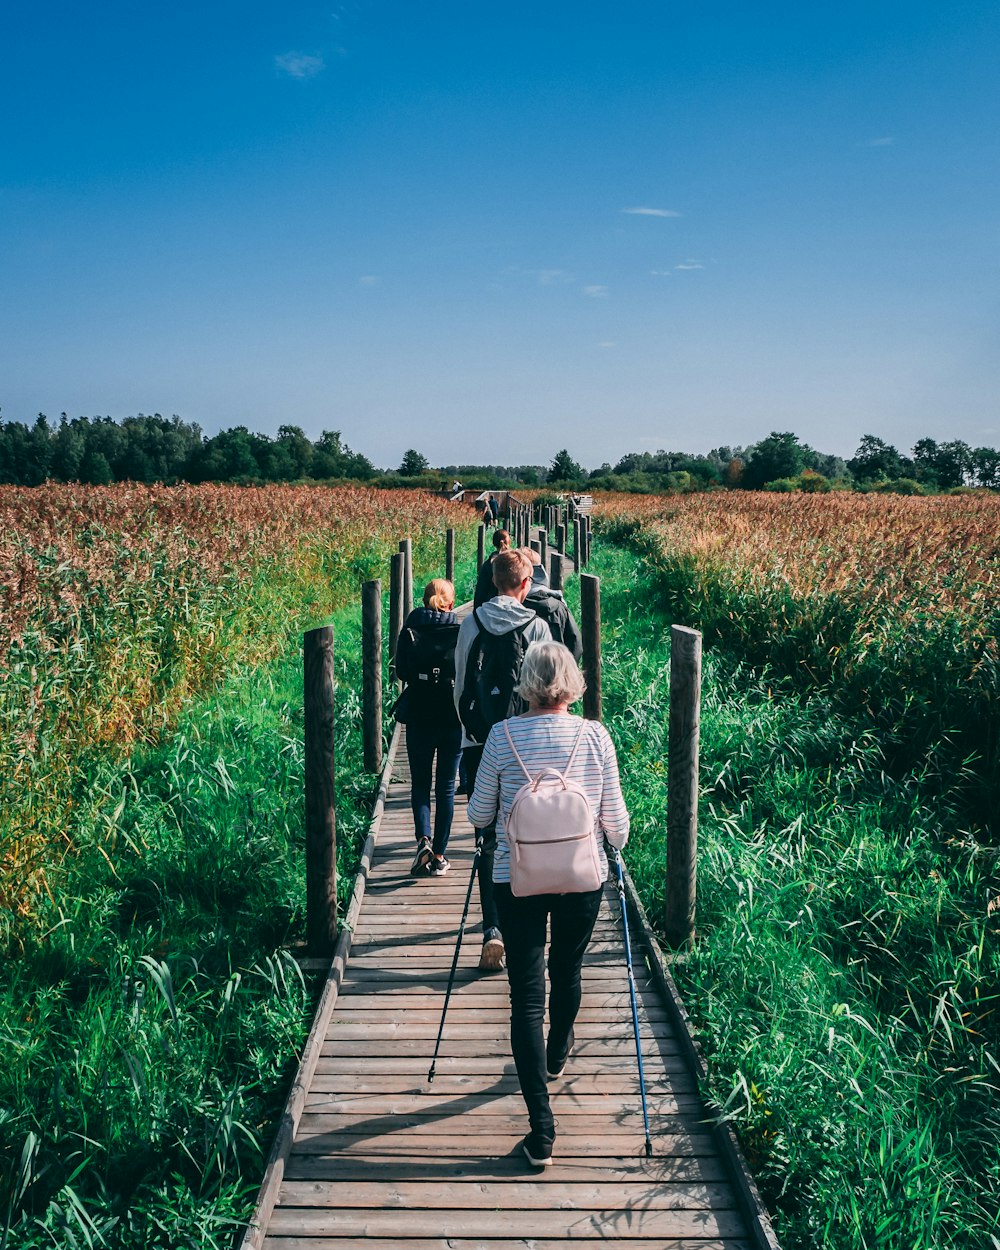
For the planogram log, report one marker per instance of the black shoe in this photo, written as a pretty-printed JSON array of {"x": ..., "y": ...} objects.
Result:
[
  {"x": 555, "y": 1067},
  {"x": 438, "y": 867},
  {"x": 422, "y": 858},
  {"x": 537, "y": 1150}
]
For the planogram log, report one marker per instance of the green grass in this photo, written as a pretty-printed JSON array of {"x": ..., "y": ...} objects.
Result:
[
  {"x": 845, "y": 977},
  {"x": 151, "y": 1014}
]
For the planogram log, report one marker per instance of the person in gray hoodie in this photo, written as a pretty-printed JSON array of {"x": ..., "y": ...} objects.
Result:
[{"x": 512, "y": 575}]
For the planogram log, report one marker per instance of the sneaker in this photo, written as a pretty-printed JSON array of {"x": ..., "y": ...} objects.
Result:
[
  {"x": 438, "y": 867},
  {"x": 537, "y": 1150},
  {"x": 492, "y": 958},
  {"x": 554, "y": 1068},
  {"x": 422, "y": 858}
]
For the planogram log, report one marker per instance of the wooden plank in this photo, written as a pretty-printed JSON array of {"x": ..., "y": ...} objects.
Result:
[
  {"x": 614, "y": 1145},
  {"x": 475, "y": 1063},
  {"x": 431, "y": 1104},
  {"x": 577, "y": 1084},
  {"x": 578, "y": 1225},
  {"x": 417, "y": 1030},
  {"x": 590, "y": 1127},
  {"x": 293, "y": 1242},
  {"x": 427, "y": 1169},
  {"x": 513, "y": 1194}
]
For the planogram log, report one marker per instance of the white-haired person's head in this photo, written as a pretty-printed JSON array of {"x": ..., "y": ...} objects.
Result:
[{"x": 550, "y": 676}]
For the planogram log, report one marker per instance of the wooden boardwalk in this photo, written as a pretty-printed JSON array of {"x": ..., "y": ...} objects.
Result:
[{"x": 376, "y": 1157}]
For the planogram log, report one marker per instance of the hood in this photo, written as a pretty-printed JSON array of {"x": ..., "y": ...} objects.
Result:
[
  {"x": 543, "y": 592},
  {"x": 502, "y": 614},
  {"x": 420, "y": 618}
]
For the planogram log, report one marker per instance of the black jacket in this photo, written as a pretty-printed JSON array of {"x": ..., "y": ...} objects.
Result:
[
  {"x": 552, "y": 608},
  {"x": 441, "y": 707}
]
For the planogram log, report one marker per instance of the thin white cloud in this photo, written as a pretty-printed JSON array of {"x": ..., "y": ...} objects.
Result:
[
  {"x": 886, "y": 141},
  {"x": 642, "y": 211},
  {"x": 690, "y": 264},
  {"x": 608, "y": 343},
  {"x": 549, "y": 277},
  {"x": 300, "y": 64},
  {"x": 369, "y": 279},
  {"x": 660, "y": 273},
  {"x": 595, "y": 291}
]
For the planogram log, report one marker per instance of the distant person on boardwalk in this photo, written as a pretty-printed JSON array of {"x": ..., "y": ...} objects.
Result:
[
  {"x": 494, "y": 509},
  {"x": 425, "y": 662},
  {"x": 552, "y": 607},
  {"x": 546, "y": 736},
  {"x": 487, "y": 517},
  {"x": 485, "y": 586},
  {"x": 491, "y": 644}
]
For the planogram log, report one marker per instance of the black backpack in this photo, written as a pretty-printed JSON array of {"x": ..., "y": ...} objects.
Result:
[
  {"x": 491, "y": 673},
  {"x": 431, "y": 672}
]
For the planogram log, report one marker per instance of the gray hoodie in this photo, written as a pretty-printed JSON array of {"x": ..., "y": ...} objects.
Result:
[{"x": 499, "y": 616}]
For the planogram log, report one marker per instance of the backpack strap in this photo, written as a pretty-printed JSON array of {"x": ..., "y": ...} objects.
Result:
[{"x": 569, "y": 762}]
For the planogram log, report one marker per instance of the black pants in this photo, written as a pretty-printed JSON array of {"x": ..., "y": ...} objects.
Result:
[
  {"x": 471, "y": 757},
  {"x": 523, "y": 923}
]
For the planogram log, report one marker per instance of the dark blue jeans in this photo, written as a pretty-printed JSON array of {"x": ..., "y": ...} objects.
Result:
[
  {"x": 523, "y": 924},
  {"x": 423, "y": 742}
]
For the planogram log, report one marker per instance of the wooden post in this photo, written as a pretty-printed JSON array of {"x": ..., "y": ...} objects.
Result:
[
  {"x": 396, "y": 617},
  {"x": 371, "y": 674},
  {"x": 555, "y": 570},
  {"x": 321, "y": 823},
  {"x": 561, "y": 538},
  {"x": 682, "y": 785},
  {"x": 406, "y": 547},
  {"x": 535, "y": 545},
  {"x": 480, "y": 547},
  {"x": 590, "y": 629},
  {"x": 586, "y": 538},
  {"x": 576, "y": 544},
  {"x": 543, "y": 546},
  {"x": 449, "y": 555}
]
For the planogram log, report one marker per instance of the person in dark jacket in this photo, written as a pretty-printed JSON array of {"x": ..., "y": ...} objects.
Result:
[
  {"x": 425, "y": 662},
  {"x": 485, "y": 588},
  {"x": 551, "y": 607}
]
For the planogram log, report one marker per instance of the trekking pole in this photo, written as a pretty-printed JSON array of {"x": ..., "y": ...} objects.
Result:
[
  {"x": 458, "y": 947},
  {"x": 631, "y": 989}
]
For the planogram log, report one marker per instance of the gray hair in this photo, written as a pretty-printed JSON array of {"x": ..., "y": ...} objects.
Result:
[{"x": 550, "y": 675}]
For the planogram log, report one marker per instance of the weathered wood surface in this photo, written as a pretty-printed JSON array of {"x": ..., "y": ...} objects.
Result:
[{"x": 382, "y": 1159}]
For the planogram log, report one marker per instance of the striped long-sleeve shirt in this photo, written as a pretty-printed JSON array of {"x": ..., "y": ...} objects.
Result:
[{"x": 545, "y": 741}]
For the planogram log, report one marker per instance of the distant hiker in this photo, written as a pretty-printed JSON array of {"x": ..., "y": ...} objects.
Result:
[
  {"x": 425, "y": 662},
  {"x": 485, "y": 586},
  {"x": 547, "y": 737},
  {"x": 487, "y": 514},
  {"x": 491, "y": 644},
  {"x": 552, "y": 607},
  {"x": 494, "y": 509}
]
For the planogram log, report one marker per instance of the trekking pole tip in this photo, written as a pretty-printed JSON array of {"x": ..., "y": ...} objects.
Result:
[
  {"x": 649, "y": 1149},
  {"x": 430, "y": 1078}
]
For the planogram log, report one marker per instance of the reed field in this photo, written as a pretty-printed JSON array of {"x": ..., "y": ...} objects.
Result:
[
  {"x": 151, "y": 835},
  {"x": 844, "y": 982}
]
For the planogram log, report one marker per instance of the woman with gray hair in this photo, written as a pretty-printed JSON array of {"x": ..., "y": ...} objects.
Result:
[{"x": 546, "y": 736}]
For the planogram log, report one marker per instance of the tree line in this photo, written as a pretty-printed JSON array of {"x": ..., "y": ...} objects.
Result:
[{"x": 100, "y": 451}]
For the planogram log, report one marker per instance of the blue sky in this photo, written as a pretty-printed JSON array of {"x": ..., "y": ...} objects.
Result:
[{"x": 490, "y": 231}]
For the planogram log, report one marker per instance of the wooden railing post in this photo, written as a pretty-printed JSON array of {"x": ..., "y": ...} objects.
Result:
[
  {"x": 585, "y": 534},
  {"x": 396, "y": 617},
  {"x": 371, "y": 674},
  {"x": 543, "y": 546},
  {"x": 480, "y": 547},
  {"x": 406, "y": 547},
  {"x": 682, "y": 785},
  {"x": 577, "y": 528},
  {"x": 590, "y": 629},
  {"x": 449, "y": 555},
  {"x": 555, "y": 570},
  {"x": 561, "y": 538},
  {"x": 321, "y": 821}
]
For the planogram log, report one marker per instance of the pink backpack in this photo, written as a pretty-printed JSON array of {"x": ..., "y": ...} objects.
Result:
[{"x": 550, "y": 832}]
